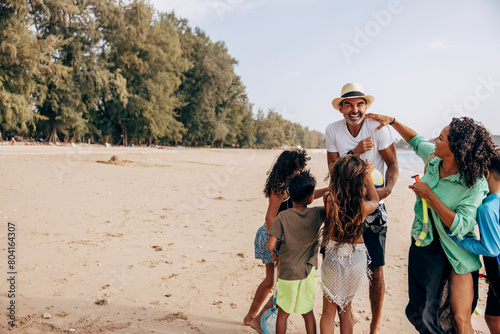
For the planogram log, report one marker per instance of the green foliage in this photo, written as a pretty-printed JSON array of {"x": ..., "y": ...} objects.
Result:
[
  {"x": 64, "y": 32},
  {"x": 19, "y": 54},
  {"x": 316, "y": 139},
  {"x": 122, "y": 71},
  {"x": 145, "y": 54},
  {"x": 272, "y": 131}
]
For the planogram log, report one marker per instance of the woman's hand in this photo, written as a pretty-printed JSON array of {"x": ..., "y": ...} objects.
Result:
[
  {"x": 383, "y": 120},
  {"x": 422, "y": 189}
]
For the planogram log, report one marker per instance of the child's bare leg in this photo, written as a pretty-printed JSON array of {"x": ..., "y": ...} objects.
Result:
[
  {"x": 327, "y": 321},
  {"x": 346, "y": 323},
  {"x": 255, "y": 322},
  {"x": 310, "y": 322},
  {"x": 261, "y": 294},
  {"x": 281, "y": 321}
]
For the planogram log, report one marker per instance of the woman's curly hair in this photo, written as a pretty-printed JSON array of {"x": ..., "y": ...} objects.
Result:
[
  {"x": 344, "y": 216},
  {"x": 287, "y": 163},
  {"x": 472, "y": 146}
]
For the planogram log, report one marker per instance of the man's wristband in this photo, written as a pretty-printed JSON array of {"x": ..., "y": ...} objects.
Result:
[
  {"x": 393, "y": 120},
  {"x": 350, "y": 152}
]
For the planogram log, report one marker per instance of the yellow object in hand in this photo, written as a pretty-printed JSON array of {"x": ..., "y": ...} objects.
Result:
[{"x": 425, "y": 225}]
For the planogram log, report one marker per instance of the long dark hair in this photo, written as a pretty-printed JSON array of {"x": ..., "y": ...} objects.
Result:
[
  {"x": 472, "y": 147},
  {"x": 344, "y": 216},
  {"x": 287, "y": 163}
]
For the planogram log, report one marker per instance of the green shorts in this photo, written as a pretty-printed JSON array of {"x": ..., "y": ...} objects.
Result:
[{"x": 299, "y": 292}]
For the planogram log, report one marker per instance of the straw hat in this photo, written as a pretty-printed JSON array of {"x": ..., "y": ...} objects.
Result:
[{"x": 351, "y": 91}]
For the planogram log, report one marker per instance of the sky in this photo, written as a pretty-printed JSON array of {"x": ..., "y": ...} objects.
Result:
[{"x": 424, "y": 61}]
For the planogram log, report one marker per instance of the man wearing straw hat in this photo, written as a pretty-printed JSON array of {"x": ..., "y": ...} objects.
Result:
[{"x": 356, "y": 135}]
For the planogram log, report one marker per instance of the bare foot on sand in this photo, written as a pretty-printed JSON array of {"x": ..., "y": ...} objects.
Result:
[
  {"x": 255, "y": 324},
  {"x": 247, "y": 320}
]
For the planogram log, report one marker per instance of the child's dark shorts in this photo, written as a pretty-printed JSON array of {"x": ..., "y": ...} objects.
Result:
[
  {"x": 493, "y": 272},
  {"x": 375, "y": 234}
]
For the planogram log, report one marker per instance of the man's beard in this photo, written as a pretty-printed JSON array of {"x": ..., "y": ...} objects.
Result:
[{"x": 358, "y": 121}]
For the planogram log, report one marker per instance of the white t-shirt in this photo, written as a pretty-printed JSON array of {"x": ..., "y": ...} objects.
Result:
[{"x": 339, "y": 139}]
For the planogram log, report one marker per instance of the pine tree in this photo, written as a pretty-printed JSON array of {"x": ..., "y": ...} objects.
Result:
[{"x": 19, "y": 59}]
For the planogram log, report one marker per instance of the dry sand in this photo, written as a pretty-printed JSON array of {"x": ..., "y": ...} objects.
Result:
[{"x": 158, "y": 241}]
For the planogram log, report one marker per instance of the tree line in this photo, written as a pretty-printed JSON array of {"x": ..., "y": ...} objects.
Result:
[{"x": 124, "y": 73}]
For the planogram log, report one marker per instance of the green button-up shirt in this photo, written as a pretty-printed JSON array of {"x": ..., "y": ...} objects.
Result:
[{"x": 455, "y": 194}]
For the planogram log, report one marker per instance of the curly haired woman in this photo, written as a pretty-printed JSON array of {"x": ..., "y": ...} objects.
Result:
[{"x": 453, "y": 185}]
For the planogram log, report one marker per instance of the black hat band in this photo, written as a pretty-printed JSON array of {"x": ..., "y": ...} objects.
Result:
[{"x": 354, "y": 93}]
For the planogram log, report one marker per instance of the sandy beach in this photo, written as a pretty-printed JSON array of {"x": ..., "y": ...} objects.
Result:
[{"x": 157, "y": 241}]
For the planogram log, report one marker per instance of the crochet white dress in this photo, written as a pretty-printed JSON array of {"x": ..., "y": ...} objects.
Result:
[{"x": 344, "y": 272}]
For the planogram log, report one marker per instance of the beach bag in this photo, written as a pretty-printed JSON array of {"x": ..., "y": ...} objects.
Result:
[{"x": 268, "y": 320}]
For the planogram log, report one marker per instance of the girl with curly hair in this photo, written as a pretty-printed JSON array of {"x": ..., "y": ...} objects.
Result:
[
  {"x": 288, "y": 164},
  {"x": 453, "y": 185},
  {"x": 352, "y": 196}
]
